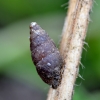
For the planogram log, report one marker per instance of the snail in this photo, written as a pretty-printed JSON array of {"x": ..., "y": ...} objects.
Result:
[{"x": 45, "y": 56}]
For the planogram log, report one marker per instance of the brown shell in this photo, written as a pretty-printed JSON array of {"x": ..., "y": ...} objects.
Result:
[{"x": 45, "y": 56}]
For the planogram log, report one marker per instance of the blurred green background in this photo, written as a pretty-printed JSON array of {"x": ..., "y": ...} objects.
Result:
[{"x": 18, "y": 77}]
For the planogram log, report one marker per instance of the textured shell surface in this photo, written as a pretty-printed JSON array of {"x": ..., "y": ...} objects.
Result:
[{"x": 45, "y": 56}]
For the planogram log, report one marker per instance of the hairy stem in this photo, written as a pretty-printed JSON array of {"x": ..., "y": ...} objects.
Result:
[{"x": 73, "y": 36}]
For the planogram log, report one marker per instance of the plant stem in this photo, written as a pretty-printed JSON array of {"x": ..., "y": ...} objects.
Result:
[{"x": 73, "y": 36}]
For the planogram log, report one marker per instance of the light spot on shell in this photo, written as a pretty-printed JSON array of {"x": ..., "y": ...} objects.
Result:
[
  {"x": 48, "y": 64},
  {"x": 32, "y": 24}
]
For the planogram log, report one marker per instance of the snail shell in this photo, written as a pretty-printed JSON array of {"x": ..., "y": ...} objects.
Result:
[{"x": 45, "y": 56}]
